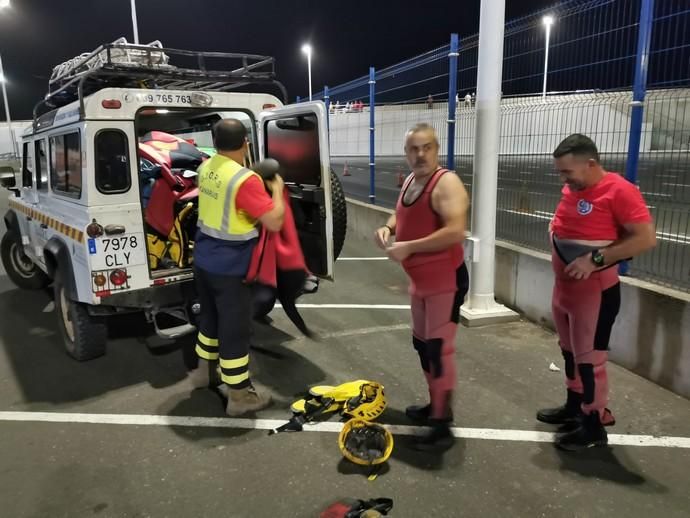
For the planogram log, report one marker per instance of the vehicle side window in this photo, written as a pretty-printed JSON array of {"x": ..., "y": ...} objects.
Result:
[
  {"x": 27, "y": 166},
  {"x": 41, "y": 165},
  {"x": 112, "y": 162},
  {"x": 65, "y": 164}
]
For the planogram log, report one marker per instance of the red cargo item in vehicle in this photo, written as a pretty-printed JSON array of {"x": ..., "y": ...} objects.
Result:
[{"x": 169, "y": 152}]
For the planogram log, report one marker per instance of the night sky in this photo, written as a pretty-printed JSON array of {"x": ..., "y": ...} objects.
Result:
[{"x": 347, "y": 37}]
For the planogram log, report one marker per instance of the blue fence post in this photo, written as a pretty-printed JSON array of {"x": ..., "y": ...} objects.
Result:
[
  {"x": 452, "y": 92},
  {"x": 372, "y": 125},
  {"x": 327, "y": 100},
  {"x": 644, "y": 38}
]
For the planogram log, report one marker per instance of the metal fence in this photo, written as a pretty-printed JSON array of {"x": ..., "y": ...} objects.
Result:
[{"x": 616, "y": 70}]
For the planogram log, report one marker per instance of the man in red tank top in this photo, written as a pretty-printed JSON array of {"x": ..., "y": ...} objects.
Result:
[
  {"x": 429, "y": 226},
  {"x": 600, "y": 220}
]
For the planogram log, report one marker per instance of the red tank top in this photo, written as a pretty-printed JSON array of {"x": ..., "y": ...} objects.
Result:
[{"x": 430, "y": 273}]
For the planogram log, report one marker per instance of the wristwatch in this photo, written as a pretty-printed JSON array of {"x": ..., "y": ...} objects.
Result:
[{"x": 598, "y": 258}]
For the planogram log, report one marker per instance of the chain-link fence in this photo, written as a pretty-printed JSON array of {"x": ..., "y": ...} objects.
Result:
[{"x": 593, "y": 82}]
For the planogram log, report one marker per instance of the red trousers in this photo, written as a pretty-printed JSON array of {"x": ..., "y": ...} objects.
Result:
[
  {"x": 584, "y": 313},
  {"x": 435, "y": 323}
]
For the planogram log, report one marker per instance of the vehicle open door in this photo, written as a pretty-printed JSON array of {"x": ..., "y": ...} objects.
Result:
[{"x": 297, "y": 137}]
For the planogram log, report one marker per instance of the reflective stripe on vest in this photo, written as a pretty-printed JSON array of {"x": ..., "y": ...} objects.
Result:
[{"x": 234, "y": 225}]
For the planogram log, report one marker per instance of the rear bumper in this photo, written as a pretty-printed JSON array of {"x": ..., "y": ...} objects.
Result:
[{"x": 174, "y": 295}]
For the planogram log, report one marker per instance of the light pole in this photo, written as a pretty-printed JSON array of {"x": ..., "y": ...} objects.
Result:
[
  {"x": 3, "y": 80},
  {"x": 135, "y": 27},
  {"x": 548, "y": 22},
  {"x": 306, "y": 48}
]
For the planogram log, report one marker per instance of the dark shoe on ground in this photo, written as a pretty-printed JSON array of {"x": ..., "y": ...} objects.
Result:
[
  {"x": 438, "y": 438},
  {"x": 590, "y": 434}
]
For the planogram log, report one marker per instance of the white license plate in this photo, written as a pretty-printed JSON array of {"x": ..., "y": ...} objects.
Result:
[{"x": 117, "y": 252}]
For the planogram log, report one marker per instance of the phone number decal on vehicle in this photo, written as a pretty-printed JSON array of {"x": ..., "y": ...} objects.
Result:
[{"x": 159, "y": 98}]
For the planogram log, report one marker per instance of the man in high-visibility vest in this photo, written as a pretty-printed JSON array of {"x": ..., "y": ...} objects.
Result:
[{"x": 232, "y": 203}]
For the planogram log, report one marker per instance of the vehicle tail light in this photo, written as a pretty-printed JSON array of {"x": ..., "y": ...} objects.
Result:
[
  {"x": 118, "y": 277},
  {"x": 268, "y": 106},
  {"x": 99, "y": 280},
  {"x": 111, "y": 104}
]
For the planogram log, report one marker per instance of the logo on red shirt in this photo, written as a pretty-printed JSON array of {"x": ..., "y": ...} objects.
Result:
[{"x": 584, "y": 207}]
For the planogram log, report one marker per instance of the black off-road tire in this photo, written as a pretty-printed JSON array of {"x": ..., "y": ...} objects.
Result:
[
  {"x": 23, "y": 272},
  {"x": 84, "y": 335}
]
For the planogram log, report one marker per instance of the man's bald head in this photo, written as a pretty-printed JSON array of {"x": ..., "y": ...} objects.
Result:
[
  {"x": 229, "y": 135},
  {"x": 424, "y": 128},
  {"x": 421, "y": 149}
]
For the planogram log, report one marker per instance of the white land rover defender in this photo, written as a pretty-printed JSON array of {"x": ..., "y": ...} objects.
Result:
[{"x": 105, "y": 208}]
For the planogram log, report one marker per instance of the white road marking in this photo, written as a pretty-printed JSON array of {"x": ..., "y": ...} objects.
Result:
[
  {"x": 350, "y": 306},
  {"x": 362, "y": 258},
  {"x": 489, "y": 434}
]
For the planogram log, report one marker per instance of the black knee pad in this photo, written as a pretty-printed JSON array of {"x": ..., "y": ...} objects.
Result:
[
  {"x": 433, "y": 351},
  {"x": 569, "y": 364},
  {"x": 420, "y": 347},
  {"x": 587, "y": 375}
]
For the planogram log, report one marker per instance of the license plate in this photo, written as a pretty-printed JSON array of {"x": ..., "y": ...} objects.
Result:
[{"x": 117, "y": 252}]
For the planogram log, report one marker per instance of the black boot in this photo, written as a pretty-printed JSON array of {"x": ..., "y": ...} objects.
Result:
[
  {"x": 438, "y": 438},
  {"x": 421, "y": 414},
  {"x": 590, "y": 434},
  {"x": 566, "y": 414}
]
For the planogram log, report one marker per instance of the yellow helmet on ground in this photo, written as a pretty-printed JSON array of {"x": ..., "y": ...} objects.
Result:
[
  {"x": 368, "y": 404},
  {"x": 365, "y": 443}
]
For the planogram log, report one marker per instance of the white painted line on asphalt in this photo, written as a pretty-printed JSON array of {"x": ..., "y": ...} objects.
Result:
[
  {"x": 550, "y": 214},
  {"x": 675, "y": 238},
  {"x": 657, "y": 194},
  {"x": 350, "y": 306},
  {"x": 489, "y": 434},
  {"x": 529, "y": 214},
  {"x": 362, "y": 258}
]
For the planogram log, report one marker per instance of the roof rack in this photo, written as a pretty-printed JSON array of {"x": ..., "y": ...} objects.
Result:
[{"x": 125, "y": 65}]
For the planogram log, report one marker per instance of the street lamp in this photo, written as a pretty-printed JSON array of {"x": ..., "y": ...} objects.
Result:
[
  {"x": 548, "y": 22},
  {"x": 3, "y": 80},
  {"x": 135, "y": 27},
  {"x": 306, "y": 48}
]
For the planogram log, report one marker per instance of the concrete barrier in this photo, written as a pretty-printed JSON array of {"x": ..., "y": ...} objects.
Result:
[{"x": 652, "y": 333}]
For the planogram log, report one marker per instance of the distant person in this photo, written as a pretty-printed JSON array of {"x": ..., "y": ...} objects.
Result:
[
  {"x": 601, "y": 220},
  {"x": 430, "y": 102},
  {"x": 429, "y": 226},
  {"x": 468, "y": 100}
]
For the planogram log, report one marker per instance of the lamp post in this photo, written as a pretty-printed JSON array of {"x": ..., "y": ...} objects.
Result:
[
  {"x": 306, "y": 48},
  {"x": 548, "y": 22}
]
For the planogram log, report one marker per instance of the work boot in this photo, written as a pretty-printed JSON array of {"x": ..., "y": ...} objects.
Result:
[
  {"x": 438, "y": 438},
  {"x": 607, "y": 419},
  {"x": 566, "y": 414},
  {"x": 590, "y": 434},
  {"x": 243, "y": 401},
  {"x": 420, "y": 414},
  {"x": 205, "y": 375}
]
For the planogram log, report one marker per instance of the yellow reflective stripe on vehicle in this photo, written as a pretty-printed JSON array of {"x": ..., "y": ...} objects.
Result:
[
  {"x": 212, "y": 342},
  {"x": 234, "y": 364},
  {"x": 58, "y": 226},
  {"x": 234, "y": 380}
]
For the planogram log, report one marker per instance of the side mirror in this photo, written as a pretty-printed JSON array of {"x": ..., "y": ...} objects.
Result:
[{"x": 7, "y": 179}]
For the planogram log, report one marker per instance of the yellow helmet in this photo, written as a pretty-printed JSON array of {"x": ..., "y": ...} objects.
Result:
[
  {"x": 365, "y": 443},
  {"x": 368, "y": 404}
]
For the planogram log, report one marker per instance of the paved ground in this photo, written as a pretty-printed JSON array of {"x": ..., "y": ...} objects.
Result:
[
  {"x": 201, "y": 464},
  {"x": 528, "y": 192}
]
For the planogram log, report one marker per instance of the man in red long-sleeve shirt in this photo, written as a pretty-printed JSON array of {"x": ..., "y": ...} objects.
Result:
[{"x": 600, "y": 220}]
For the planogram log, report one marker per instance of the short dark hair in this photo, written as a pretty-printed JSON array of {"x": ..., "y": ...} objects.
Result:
[
  {"x": 578, "y": 145},
  {"x": 228, "y": 135}
]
